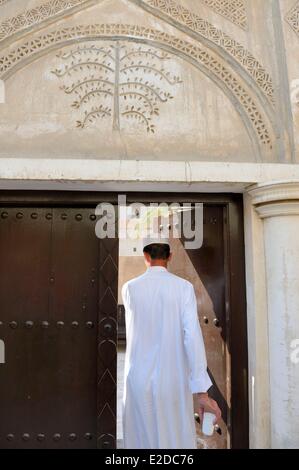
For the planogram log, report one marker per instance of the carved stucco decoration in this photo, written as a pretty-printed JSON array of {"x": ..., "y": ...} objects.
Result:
[
  {"x": 293, "y": 18},
  {"x": 3, "y": 1},
  {"x": 189, "y": 21},
  {"x": 233, "y": 10},
  {"x": 246, "y": 104},
  {"x": 117, "y": 81},
  {"x": 53, "y": 9}
]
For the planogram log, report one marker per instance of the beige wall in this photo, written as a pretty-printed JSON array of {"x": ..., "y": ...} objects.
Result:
[
  {"x": 231, "y": 75},
  {"x": 290, "y": 11}
]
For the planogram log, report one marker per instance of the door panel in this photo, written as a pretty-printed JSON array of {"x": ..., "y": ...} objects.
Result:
[
  {"x": 51, "y": 277},
  {"x": 25, "y": 259},
  {"x": 25, "y": 236},
  {"x": 107, "y": 344},
  {"x": 205, "y": 269},
  {"x": 73, "y": 293}
]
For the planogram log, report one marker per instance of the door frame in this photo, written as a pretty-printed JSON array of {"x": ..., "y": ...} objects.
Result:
[{"x": 235, "y": 283}]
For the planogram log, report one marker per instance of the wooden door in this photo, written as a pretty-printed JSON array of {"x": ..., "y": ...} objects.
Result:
[
  {"x": 216, "y": 271},
  {"x": 205, "y": 269},
  {"x": 58, "y": 321}
]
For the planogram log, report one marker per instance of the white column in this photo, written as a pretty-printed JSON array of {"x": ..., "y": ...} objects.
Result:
[
  {"x": 278, "y": 207},
  {"x": 257, "y": 321}
]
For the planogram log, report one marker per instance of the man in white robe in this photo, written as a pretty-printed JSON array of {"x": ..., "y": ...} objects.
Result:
[{"x": 165, "y": 359}]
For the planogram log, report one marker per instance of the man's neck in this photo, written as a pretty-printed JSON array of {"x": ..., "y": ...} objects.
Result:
[{"x": 158, "y": 263}]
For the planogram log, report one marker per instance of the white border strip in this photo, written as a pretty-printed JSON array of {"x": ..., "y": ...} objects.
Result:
[{"x": 190, "y": 173}]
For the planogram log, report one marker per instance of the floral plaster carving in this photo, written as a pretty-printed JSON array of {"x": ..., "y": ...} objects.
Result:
[
  {"x": 37, "y": 15},
  {"x": 193, "y": 22},
  {"x": 293, "y": 18},
  {"x": 233, "y": 10},
  {"x": 117, "y": 81},
  {"x": 199, "y": 56},
  {"x": 57, "y": 8}
]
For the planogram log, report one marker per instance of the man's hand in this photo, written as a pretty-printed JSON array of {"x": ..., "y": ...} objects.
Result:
[{"x": 203, "y": 403}]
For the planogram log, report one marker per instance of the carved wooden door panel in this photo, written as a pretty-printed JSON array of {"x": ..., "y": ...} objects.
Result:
[
  {"x": 107, "y": 344},
  {"x": 205, "y": 269},
  {"x": 57, "y": 319}
]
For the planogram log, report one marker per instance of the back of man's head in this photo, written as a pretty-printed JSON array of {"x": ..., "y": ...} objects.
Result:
[{"x": 158, "y": 251}]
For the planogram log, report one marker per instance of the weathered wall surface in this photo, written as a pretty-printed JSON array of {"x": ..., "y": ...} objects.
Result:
[
  {"x": 150, "y": 80},
  {"x": 290, "y": 13}
]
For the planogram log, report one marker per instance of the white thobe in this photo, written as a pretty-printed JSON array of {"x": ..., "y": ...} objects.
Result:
[{"x": 165, "y": 362}]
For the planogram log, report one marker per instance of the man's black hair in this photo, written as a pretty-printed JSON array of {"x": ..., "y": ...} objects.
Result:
[{"x": 158, "y": 251}]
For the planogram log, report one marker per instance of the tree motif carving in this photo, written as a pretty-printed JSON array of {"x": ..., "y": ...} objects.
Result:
[
  {"x": 117, "y": 81},
  {"x": 249, "y": 106}
]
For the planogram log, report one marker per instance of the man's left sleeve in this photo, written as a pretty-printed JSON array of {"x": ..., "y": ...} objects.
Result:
[{"x": 125, "y": 295}]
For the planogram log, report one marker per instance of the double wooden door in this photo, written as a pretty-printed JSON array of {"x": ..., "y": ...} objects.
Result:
[
  {"x": 58, "y": 287},
  {"x": 58, "y": 317}
]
